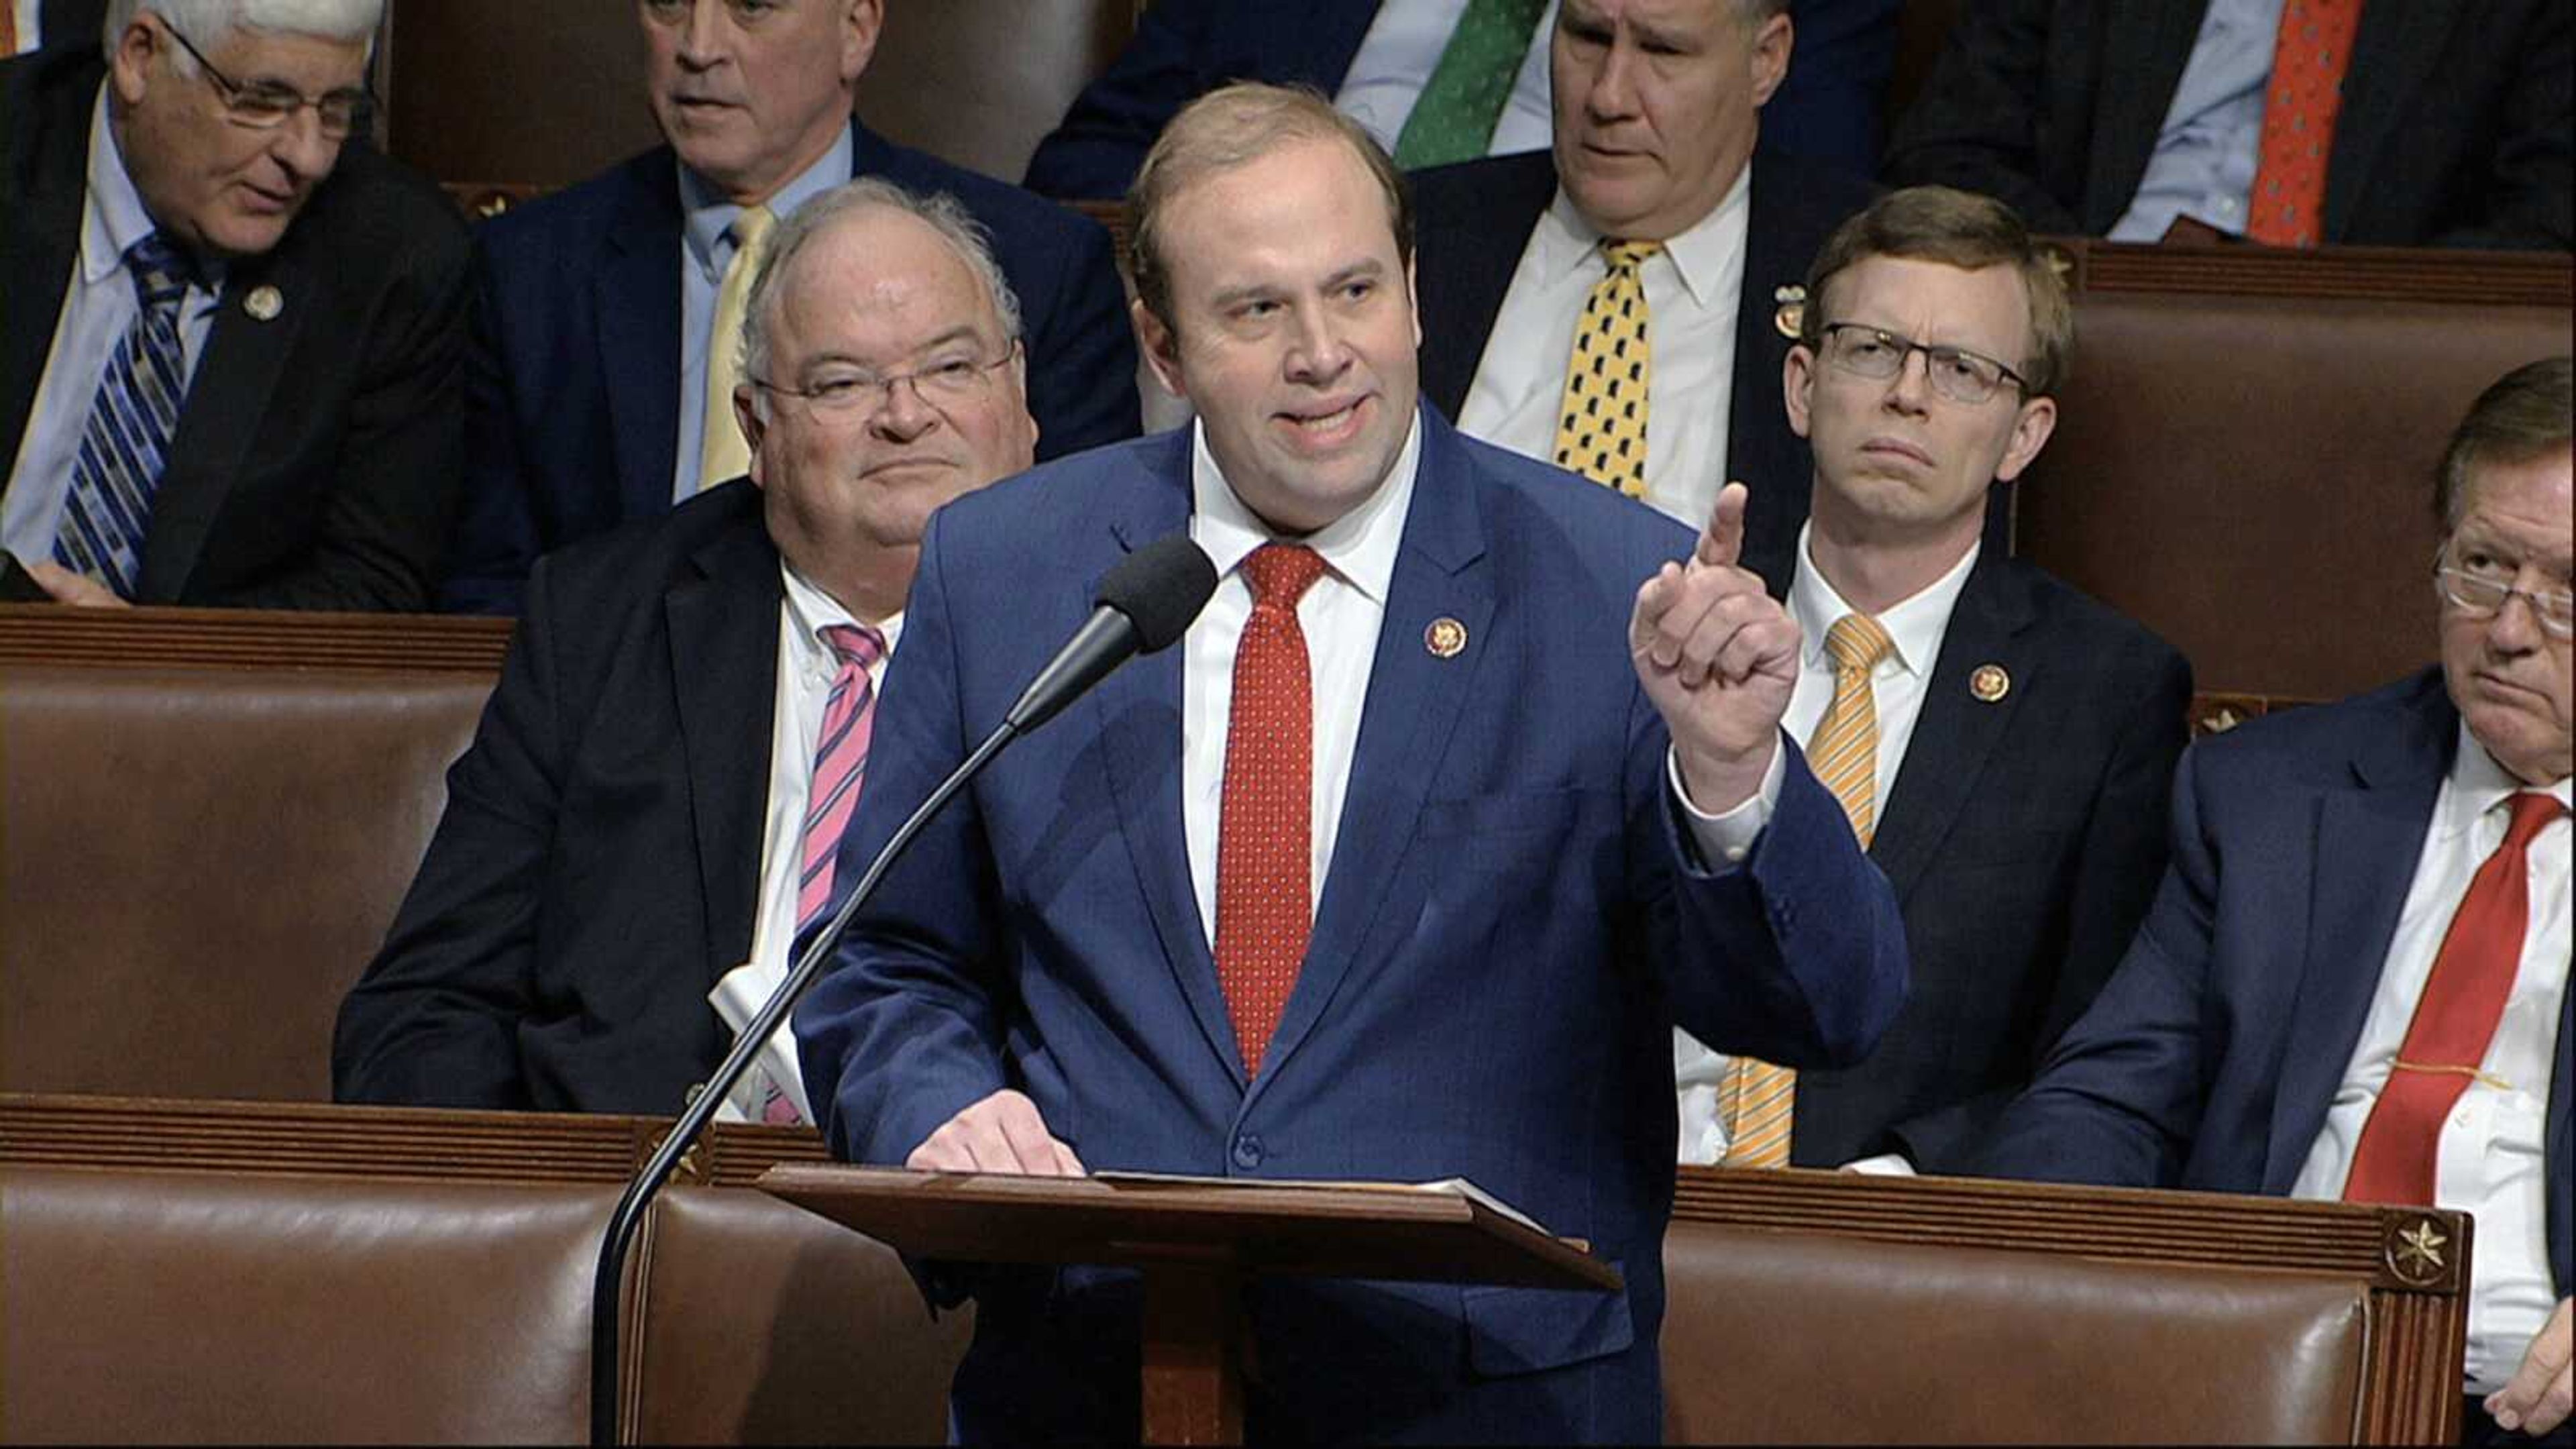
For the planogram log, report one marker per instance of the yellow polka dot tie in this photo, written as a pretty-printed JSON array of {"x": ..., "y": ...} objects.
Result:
[
  {"x": 1760, "y": 1100},
  {"x": 1601, "y": 429}
]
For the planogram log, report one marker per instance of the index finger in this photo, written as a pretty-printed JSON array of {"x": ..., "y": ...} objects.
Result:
[{"x": 1722, "y": 542}]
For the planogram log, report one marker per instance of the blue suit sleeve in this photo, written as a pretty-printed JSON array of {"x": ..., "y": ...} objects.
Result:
[
  {"x": 904, "y": 1029},
  {"x": 1093, "y": 154},
  {"x": 495, "y": 543},
  {"x": 2122, "y": 1096}
]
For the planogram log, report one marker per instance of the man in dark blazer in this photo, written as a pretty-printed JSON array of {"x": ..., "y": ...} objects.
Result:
[
  {"x": 314, "y": 456},
  {"x": 576, "y": 409},
  {"x": 2454, "y": 127},
  {"x": 612, "y": 845},
  {"x": 1550, "y": 849},
  {"x": 2025, "y": 734},
  {"x": 1827, "y": 109},
  {"x": 1486, "y": 227},
  {"x": 2250, "y": 1040}
]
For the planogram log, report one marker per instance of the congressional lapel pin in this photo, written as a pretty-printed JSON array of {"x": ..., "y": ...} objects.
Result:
[
  {"x": 1446, "y": 638},
  {"x": 1792, "y": 312},
  {"x": 264, "y": 303},
  {"x": 1990, "y": 683}
]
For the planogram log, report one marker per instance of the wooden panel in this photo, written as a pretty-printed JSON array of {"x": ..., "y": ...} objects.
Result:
[
  {"x": 165, "y": 638},
  {"x": 406, "y": 1142}
]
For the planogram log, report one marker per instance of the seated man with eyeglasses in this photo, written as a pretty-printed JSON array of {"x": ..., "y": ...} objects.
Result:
[
  {"x": 681, "y": 729},
  {"x": 2353, "y": 983},
  {"x": 2002, "y": 744},
  {"x": 231, "y": 335}
]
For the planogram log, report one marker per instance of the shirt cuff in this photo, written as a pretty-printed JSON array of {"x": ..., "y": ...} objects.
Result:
[
  {"x": 1886, "y": 1164},
  {"x": 1723, "y": 840}
]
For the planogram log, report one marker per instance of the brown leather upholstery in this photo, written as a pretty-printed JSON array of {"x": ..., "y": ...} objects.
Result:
[
  {"x": 762, "y": 1323},
  {"x": 196, "y": 862},
  {"x": 193, "y": 1307},
  {"x": 2251, "y": 475},
  {"x": 981, "y": 82},
  {"x": 1792, "y": 1338}
]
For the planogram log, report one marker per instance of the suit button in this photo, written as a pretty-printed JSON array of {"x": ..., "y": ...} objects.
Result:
[{"x": 1247, "y": 1152}]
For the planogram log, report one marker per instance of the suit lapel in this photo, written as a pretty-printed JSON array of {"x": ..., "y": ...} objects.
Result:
[
  {"x": 1956, "y": 731},
  {"x": 2368, "y": 838},
  {"x": 2147, "y": 43},
  {"x": 639, "y": 346},
  {"x": 1136, "y": 714},
  {"x": 228, "y": 398},
  {"x": 724, "y": 674},
  {"x": 40, "y": 237},
  {"x": 2394, "y": 52},
  {"x": 1476, "y": 247},
  {"x": 1414, "y": 700}
]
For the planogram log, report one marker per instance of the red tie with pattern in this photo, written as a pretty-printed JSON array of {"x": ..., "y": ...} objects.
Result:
[
  {"x": 1265, "y": 831},
  {"x": 2309, "y": 59},
  {"x": 2454, "y": 1019}
]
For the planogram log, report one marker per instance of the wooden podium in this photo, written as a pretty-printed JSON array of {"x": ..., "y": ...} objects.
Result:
[{"x": 1197, "y": 1243}]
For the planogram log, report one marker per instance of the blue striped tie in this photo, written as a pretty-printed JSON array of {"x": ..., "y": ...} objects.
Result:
[{"x": 127, "y": 438}]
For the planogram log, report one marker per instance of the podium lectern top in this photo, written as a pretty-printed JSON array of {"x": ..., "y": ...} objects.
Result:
[{"x": 1431, "y": 1234}]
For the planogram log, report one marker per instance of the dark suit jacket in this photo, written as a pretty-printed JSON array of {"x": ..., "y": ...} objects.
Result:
[
  {"x": 2454, "y": 128},
  {"x": 1827, "y": 108},
  {"x": 2210, "y": 1059},
  {"x": 598, "y": 865},
  {"x": 316, "y": 458},
  {"x": 2024, "y": 838},
  {"x": 1506, "y": 935},
  {"x": 1472, "y": 221},
  {"x": 573, "y": 398}
]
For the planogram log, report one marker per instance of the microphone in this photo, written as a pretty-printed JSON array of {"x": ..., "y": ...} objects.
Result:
[{"x": 1143, "y": 605}]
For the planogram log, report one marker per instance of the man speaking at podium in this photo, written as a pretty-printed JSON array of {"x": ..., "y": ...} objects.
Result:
[{"x": 1396, "y": 868}]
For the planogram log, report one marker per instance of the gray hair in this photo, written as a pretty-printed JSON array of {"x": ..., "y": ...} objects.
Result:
[
  {"x": 211, "y": 22},
  {"x": 2528, "y": 413},
  {"x": 938, "y": 210}
]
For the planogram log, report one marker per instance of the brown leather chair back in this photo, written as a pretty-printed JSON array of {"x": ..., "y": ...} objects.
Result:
[
  {"x": 195, "y": 863},
  {"x": 762, "y": 1323},
  {"x": 189, "y": 1307},
  {"x": 1789, "y": 1338},
  {"x": 981, "y": 82}
]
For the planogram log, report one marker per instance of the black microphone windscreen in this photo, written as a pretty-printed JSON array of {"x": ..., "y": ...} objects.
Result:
[{"x": 1161, "y": 588}]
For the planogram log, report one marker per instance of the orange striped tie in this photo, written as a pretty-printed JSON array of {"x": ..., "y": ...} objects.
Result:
[{"x": 1760, "y": 1100}]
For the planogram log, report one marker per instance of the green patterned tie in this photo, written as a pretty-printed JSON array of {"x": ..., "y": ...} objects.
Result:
[{"x": 1454, "y": 118}]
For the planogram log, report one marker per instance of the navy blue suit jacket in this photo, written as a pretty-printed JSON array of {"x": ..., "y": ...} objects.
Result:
[
  {"x": 1473, "y": 220},
  {"x": 1506, "y": 936},
  {"x": 2024, "y": 837},
  {"x": 2210, "y": 1059},
  {"x": 1827, "y": 108},
  {"x": 597, "y": 867},
  {"x": 573, "y": 392}
]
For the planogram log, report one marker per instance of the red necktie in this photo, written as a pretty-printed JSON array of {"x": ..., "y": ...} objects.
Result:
[
  {"x": 2309, "y": 58},
  {"x": 2454, "y": 1019},
  {"x": 1265, "y": 833}
]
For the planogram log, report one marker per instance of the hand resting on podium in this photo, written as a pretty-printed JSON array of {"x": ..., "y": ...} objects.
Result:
[{"x": 1001, "y": 1133}]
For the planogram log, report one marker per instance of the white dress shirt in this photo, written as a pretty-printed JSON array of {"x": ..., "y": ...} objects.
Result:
[
  {"x": 706, "y": 249},
  {"x": 1897, "y": 686},
  {"x": 2490, "y": 1160},
  {"x": 807, "y": 665},
  {"x": 1398, "y": 54},
  {"x": 1694, "y": 289},
  {"x": 98, "y": 310}
]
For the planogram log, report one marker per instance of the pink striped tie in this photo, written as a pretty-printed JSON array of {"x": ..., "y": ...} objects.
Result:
[{"x": 840, "y": 763}]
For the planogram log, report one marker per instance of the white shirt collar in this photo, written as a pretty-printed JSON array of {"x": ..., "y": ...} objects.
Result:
[
  {"x": 1914, "y": 625},
  {"x": 1359, "y": 547},
  {"x": 707, "y": 215},
  {"x": 2478, "y": 784},
  {"x": 1567, "y": 242},
  {"x": 810, "y": 611}
]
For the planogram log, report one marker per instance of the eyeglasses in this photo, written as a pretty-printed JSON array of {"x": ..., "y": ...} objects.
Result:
[
  {"x": 2484, "y": 586},
  {"x": 745, "y": 12},
  {"x": 266, "y": 105},
  {"x": 1954, "y": 372},
  {"x": 861, "y": 395}
]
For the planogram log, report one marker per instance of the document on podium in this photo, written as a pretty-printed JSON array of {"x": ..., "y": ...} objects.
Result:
[{"x": 1457, "y": 1187}]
